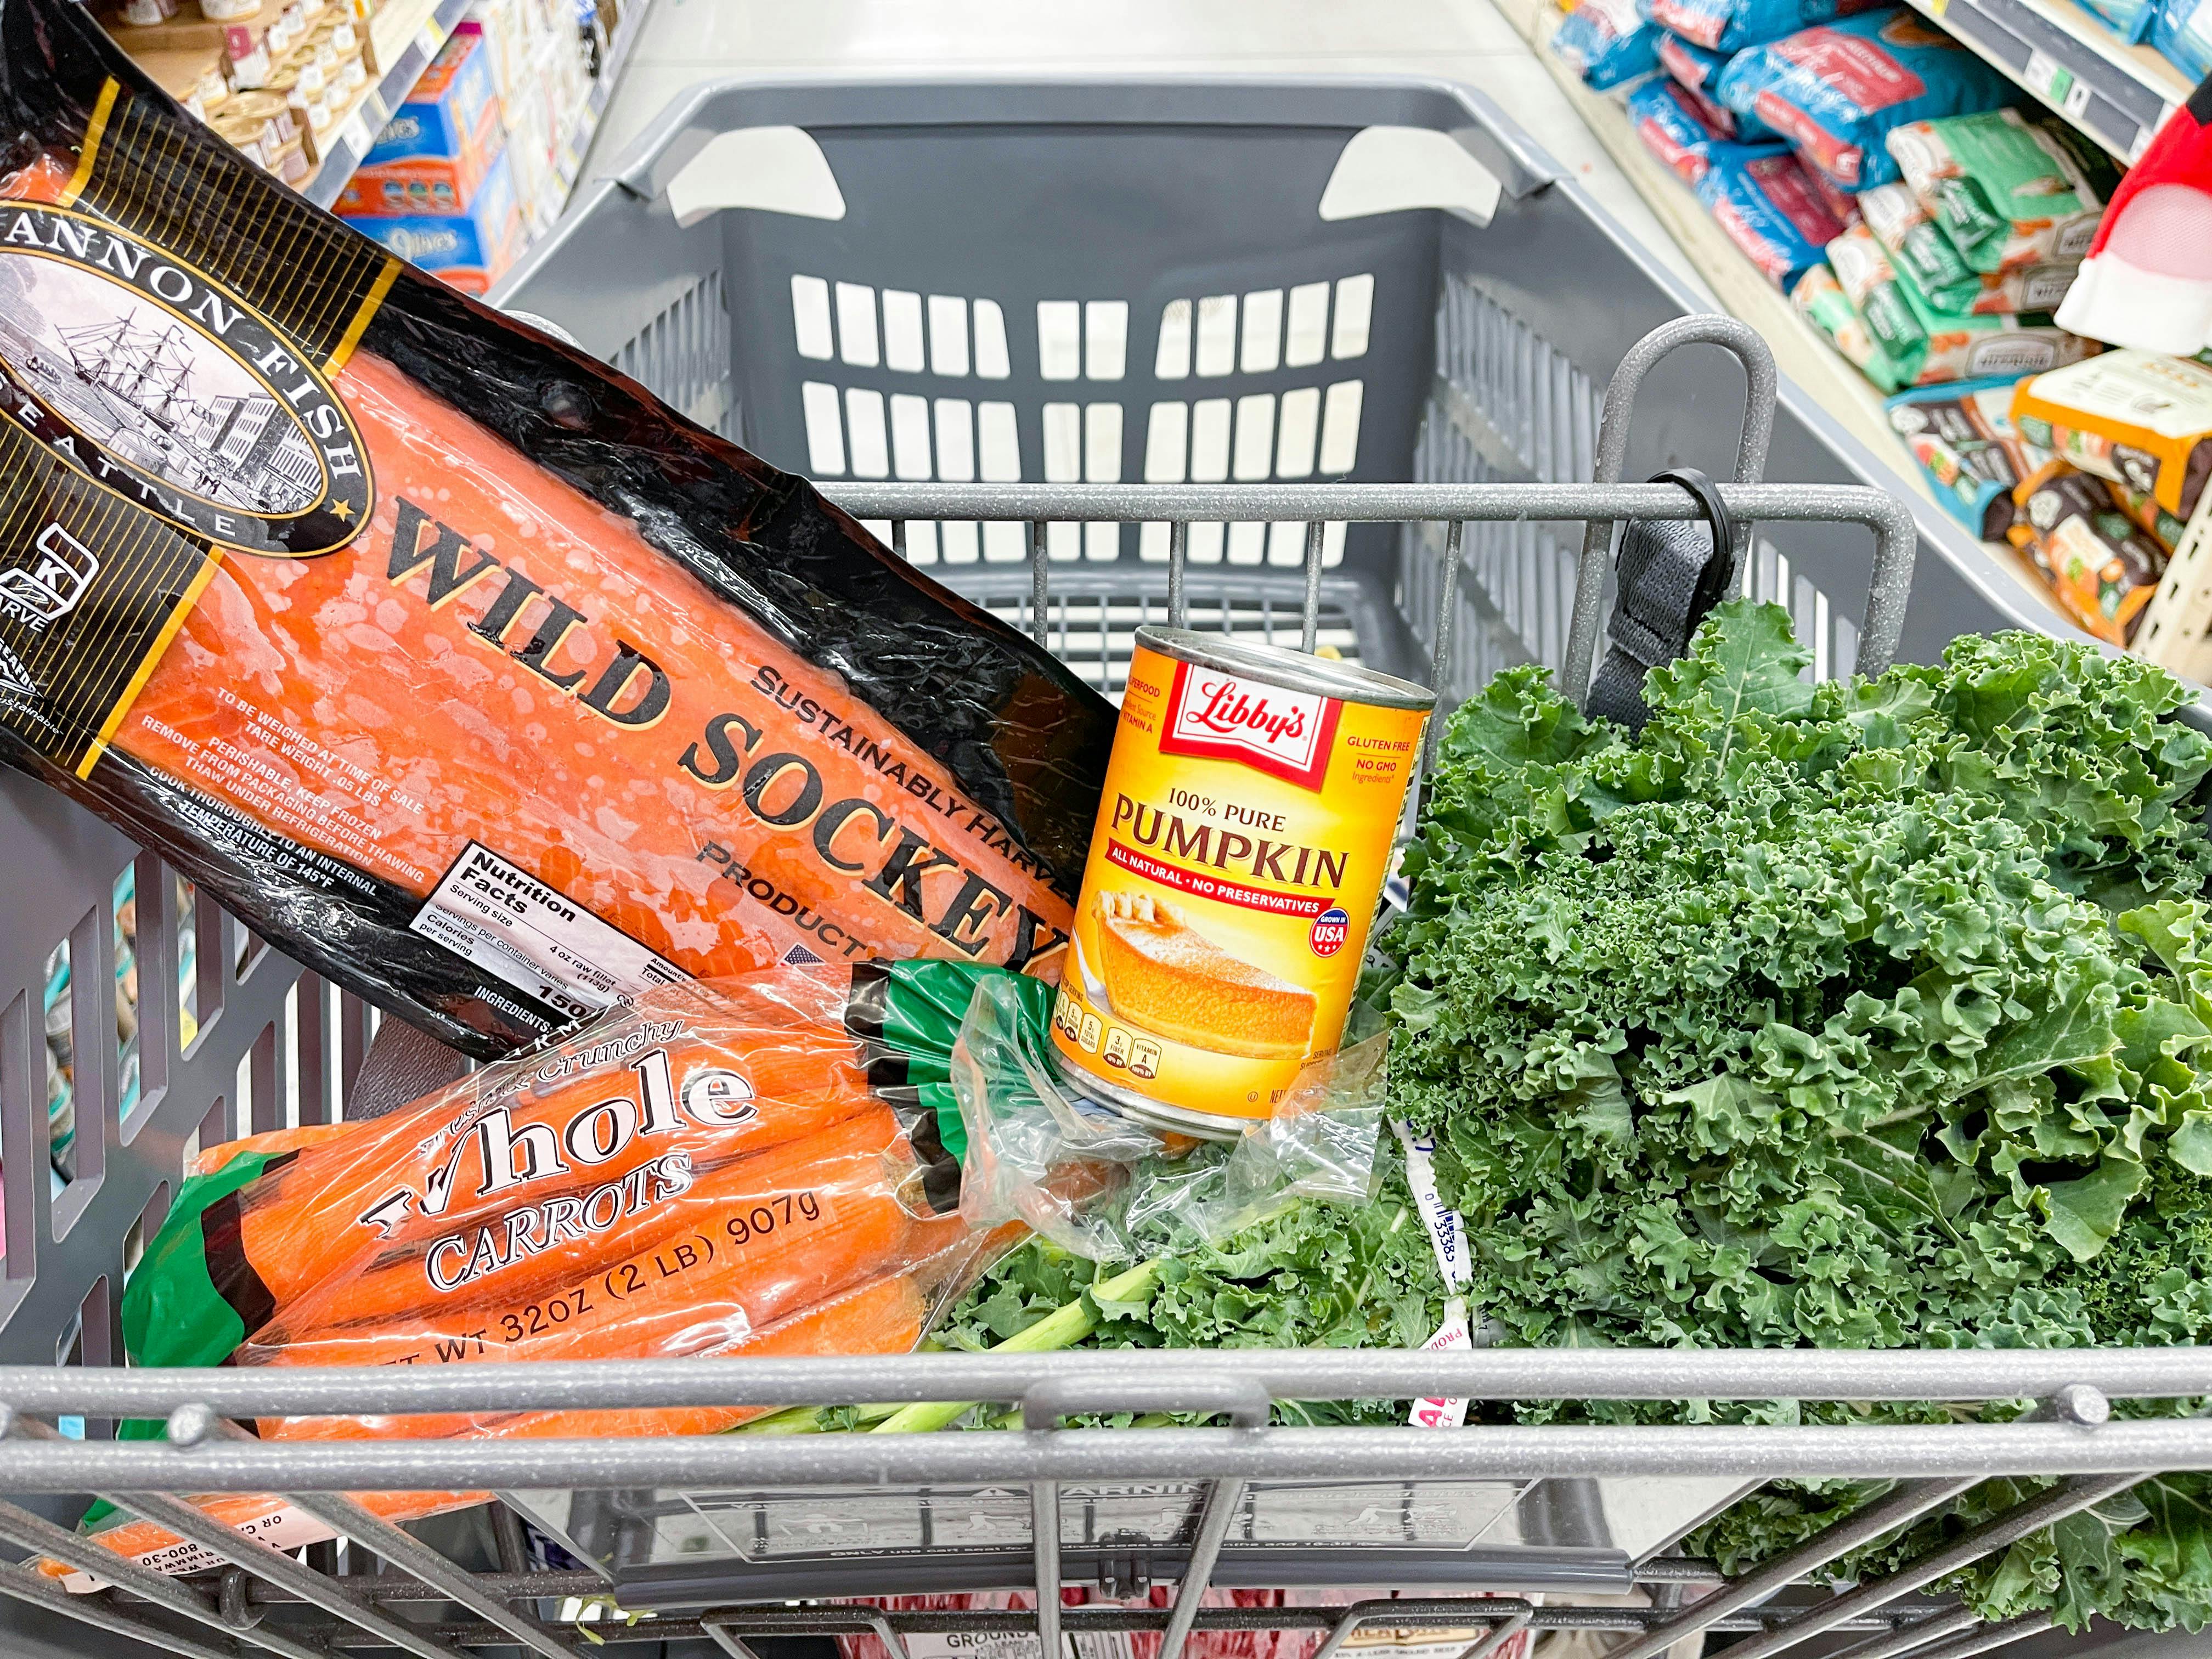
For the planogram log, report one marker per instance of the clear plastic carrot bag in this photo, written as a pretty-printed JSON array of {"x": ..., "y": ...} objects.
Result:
[
  {"x": 1026, "y": 1124},
  {"x": 744, "y": 1167}
]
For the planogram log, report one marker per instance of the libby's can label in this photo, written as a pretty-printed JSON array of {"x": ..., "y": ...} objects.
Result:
[{"x": 1242, "y": 838}]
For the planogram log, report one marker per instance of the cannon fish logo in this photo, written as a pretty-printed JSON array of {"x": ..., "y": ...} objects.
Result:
[{"x": 163, "y": 386}]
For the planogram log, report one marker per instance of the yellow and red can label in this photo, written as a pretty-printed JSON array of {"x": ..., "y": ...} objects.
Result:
[{"x": 1242, "y": 839}]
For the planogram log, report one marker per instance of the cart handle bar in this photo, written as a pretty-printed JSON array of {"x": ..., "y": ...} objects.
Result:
[
  {"x": 1896, "y": 535},
  {"x": 1952, "y": 1374}
]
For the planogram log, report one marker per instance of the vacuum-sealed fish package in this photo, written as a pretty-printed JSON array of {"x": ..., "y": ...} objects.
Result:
[{"x": 455, "y": 663}]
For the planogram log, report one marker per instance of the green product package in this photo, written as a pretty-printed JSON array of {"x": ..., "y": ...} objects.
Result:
[
  {"x": 1917, "y": 243},
  {"x": 2010, "y": 193},
  {"x": 1820, "y": 300},
  {"x": 1869, "y": 282},
  {"x": 1978, "y": 347}
]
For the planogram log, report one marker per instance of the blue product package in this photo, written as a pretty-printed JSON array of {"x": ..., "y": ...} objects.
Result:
[
  {"x": 2130, "y": 20},
  {"x": 1836, "y": 89},
  {"x": 1769, "y": 208},
  {"x": 2182, "y": 32},
  {"x": 1963, "y": 437},
  {"x": 1608, "y": 42},
  {"x": 1666, "y": 117},
  {"x": 447, "y": 110},
  {"x": 1697, "y": 68},
  {"x": 1729, "y": 25}
]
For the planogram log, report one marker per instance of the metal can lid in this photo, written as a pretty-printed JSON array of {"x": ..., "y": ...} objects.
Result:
[{"x": 1294, "y": 671}]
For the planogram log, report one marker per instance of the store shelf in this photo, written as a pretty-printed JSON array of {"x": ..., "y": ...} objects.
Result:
[
  {"x": 1801, "y": 351},
  {"x": 406, "y": 35},
  {"x": 2068, "y": 59},
  {"x": 617, "y": 59}
]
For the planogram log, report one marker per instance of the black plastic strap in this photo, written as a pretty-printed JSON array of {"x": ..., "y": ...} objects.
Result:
[{"x": 1668, "y": 575}]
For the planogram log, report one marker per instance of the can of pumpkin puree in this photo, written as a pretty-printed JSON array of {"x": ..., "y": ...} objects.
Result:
[{"x": 1242, "y": 838}]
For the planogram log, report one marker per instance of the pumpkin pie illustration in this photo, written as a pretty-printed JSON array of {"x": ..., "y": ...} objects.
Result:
[{"x": 1162, "y": 974}]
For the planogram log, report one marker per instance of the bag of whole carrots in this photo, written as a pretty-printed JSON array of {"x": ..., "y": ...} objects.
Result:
[
  {"x": 750, "y": 1166},
  {"x": 455, "y": 663}
]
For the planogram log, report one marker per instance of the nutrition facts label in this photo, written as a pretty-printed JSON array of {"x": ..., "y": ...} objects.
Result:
[{"x": 535, "y": 937}]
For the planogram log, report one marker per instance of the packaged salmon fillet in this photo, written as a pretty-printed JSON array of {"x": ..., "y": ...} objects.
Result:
[
  {"x": 737, "y": 1167},
  {"x": 460, "y": 668}
]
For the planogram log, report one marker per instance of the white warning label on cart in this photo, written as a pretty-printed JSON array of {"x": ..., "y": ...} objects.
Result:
[
  {"x": 284, "y": 1529},
  {"x": 1018, "y": 1644},
  {"x": 536, "y": 938}
]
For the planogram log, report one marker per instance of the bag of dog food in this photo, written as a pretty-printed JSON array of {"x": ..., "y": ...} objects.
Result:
[
  {"x": 1666, "y": 117},
  {"x": 1608, "y": 42},
  {"x": 1977, "y": 347},
  {"x": 1917, "y": 243},
  {"x": 1963, "y": 438},
  {"x": 1728, "y": 26},
  {"x": 2142, "y": 507},
  {"x": 1821, "y": 302},
  {"x": 1835, "y": 90},
  {"x": 1698, "y": 70},
  {"x": 2010, "y": 192},
  {"x": 2137, "y": 417},
  {"x": 2102, "y": 569},
  {"x": 2182, "y": 32},
  {"x": 1870, "y": 281},
  {"x": 1770, "y": 209}
]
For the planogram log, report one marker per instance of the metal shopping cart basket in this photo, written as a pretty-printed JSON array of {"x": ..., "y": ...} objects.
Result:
[{"x": 1366, "y": 418}]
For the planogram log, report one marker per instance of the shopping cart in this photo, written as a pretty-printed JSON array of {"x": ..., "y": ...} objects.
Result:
[{"x": 1465, "y": 514}]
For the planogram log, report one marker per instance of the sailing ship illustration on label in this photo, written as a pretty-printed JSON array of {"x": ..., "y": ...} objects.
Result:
[{"x": 148, "y": 377}]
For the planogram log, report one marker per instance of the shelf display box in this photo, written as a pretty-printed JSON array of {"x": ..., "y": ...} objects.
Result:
[
  {"x": 470, "y": 250},
  {"x": 439, "y": 186},
  {"x": 448, "y": 109}
]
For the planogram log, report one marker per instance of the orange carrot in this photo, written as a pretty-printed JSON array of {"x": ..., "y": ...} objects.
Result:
[
  {"x": 560, "y": 1241},
  {"x": 750, "y": 1243},
  {"x": 884, "y": 1315},
  {"x": 742, "y": 1068}
]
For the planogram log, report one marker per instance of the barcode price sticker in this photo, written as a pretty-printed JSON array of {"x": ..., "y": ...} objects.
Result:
[
  {"x": 2044, "y": 76},
  {"x": 1447, "y": 1235}
]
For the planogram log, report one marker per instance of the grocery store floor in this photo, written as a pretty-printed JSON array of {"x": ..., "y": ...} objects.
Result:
[{"x": 1466, "y": 40}]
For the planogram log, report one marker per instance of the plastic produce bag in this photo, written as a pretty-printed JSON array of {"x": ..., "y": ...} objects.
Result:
[
  {"x": 1836, "y": 89},
  {"x": 1027, "y": 1129},
  {"x": 1728, "y": 26},
  {"x": 1820, "y": 300},
  {"x": 1963, "y": 437},
  {"x": 458, "y": 666},
  {"x": 2008, "y": 193},
  {"x": 1606, "y": 43},
  {"x": 2137, "y": 417},
  {"x": 741, "y": 1167},
  {"x": 1698, "y": 70},
  {"x": 2101, "y": 569},
  {"x": 1770, "y": 209}
]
